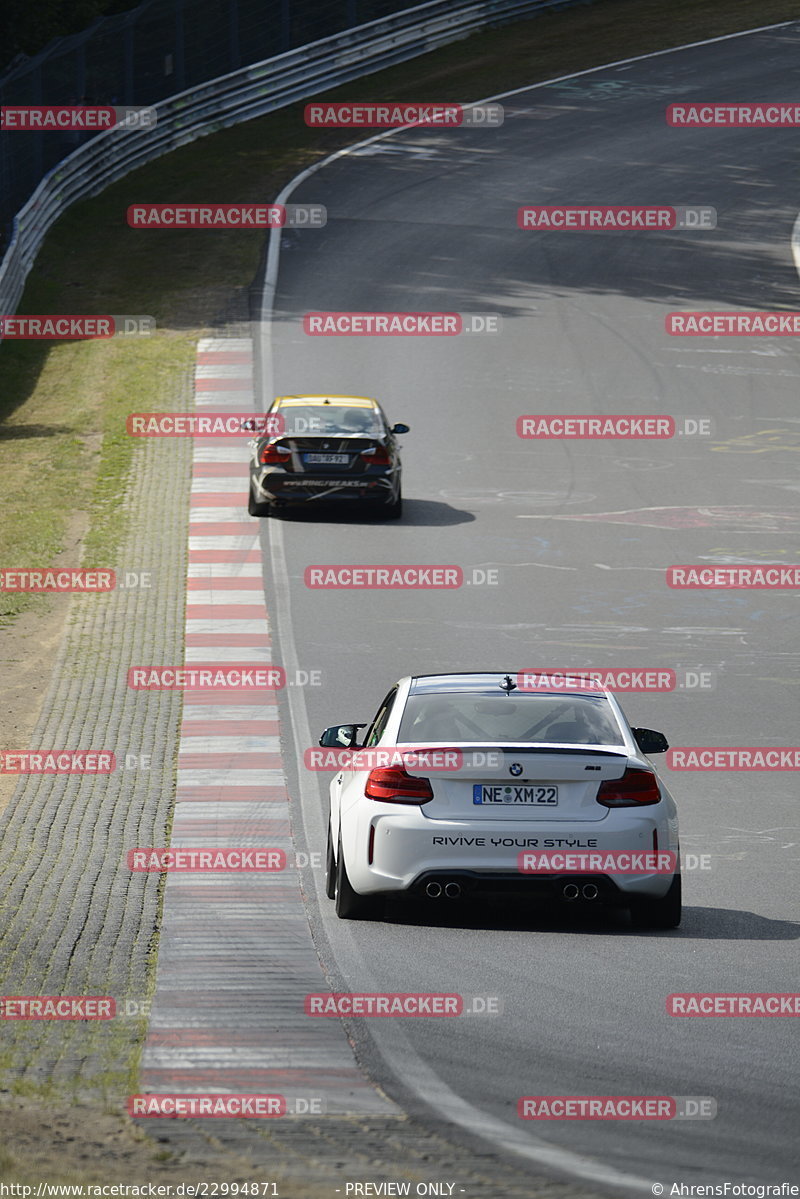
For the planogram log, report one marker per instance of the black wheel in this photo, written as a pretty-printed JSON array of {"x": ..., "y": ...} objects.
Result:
[
  {"x": 256, "y": 509},
  {"x": 394, "y": 510},
  {"x": 330, "y": 868},
  {"x": 349, "y": 904},
  {"x": 659, "y": 913}
]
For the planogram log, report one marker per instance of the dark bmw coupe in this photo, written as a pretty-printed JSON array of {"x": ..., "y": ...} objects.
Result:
[{"x": 320, "y": 448}]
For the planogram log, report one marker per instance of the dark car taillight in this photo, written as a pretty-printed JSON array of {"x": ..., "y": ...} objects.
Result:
[
  {"x": 392, "y": 784},
  {"x": 271, "y": 452},
  {"x": 636, "y": 787},
  {"x": 377, "y": 456}
]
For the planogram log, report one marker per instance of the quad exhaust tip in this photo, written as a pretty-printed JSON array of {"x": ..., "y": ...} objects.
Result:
[
  {"x": 571, "y": 891},
  {"x": 434, "y": 890}
]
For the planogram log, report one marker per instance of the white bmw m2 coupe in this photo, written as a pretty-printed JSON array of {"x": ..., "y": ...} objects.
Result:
[{"x": 476, "y": 783}]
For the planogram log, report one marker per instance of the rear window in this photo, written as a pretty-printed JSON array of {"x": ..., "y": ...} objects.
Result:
[
  {"x": 580, "y": 720},
  {"x": 300, "y": 419}
]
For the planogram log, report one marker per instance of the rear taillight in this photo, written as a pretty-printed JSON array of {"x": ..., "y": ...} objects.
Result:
[
  {"x": 636, "y": 787},
  {"x": 392, "y": 784},
  {"x": 273, "y": 453},
  {"x": 377, "y": 455}
]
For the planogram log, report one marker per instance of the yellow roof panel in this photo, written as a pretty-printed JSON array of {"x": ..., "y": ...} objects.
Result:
[{"x": 323, "y": 401}]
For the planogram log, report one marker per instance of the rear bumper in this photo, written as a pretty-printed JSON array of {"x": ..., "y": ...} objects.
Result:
[
  {"x": 561, "y": 888},
  {"x": 408, "y": 849},
  {"x": 295, "y": 488}
]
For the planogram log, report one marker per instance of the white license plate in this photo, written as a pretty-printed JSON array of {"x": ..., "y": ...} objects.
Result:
[
  {"x": 328, "y": 459},
  {"x": 515, "y": 794}
]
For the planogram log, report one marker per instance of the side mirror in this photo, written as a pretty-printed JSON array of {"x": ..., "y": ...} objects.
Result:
[
  {"x": 341, "y": 735},
  {"x": 400, "y": 429},
  {"x": 650, "y": 742}
]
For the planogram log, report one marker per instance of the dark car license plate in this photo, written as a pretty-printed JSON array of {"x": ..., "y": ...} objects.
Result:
[{"x": 327, "y": 459}]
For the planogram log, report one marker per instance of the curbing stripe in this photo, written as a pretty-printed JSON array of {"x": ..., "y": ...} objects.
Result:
[{"x": 236, "y": 955}]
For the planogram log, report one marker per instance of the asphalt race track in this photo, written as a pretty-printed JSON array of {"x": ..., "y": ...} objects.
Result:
[{"x": 580, "y": 534}]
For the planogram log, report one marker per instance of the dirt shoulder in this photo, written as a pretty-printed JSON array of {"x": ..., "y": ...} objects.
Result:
[
  {"x": 304, "y": 1158},
  {"x": 29, "y": 648}
]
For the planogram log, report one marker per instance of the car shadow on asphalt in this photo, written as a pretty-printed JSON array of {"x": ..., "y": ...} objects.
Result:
[
  {"x": 419, "y": 513},
  {"x": 698, "y": 923}
]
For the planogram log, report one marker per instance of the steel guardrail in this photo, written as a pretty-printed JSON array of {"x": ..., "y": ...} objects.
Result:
[{"x": 240, "y": 96}]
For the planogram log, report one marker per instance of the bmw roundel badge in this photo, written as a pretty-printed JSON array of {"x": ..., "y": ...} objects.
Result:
[{"x": 515, "y": 769}]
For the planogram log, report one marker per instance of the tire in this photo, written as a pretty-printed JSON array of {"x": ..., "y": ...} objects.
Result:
[
  {"x": 659, "y": 913},
  {"x": 349, "y": 904},
  {"x": 254, "y": 508},
  {"x": 394, "y": 510},
  {"x": 330, "y": 868}
]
